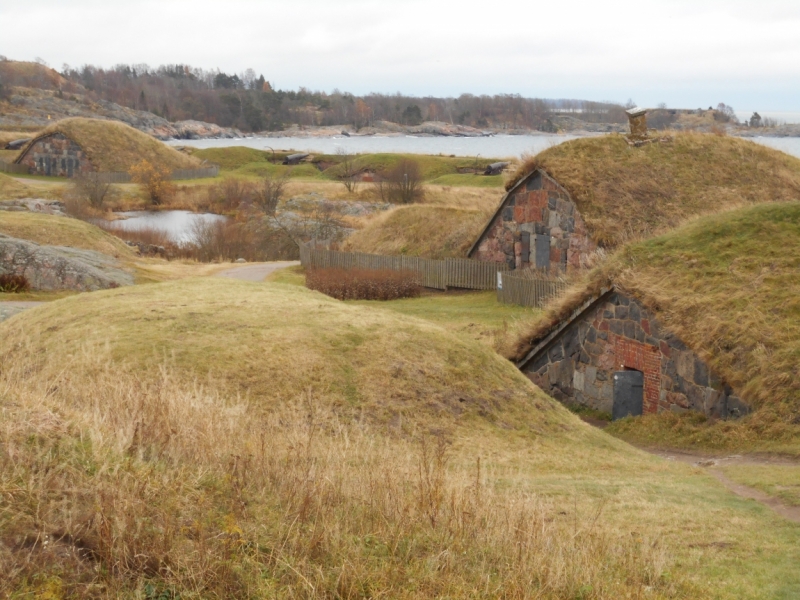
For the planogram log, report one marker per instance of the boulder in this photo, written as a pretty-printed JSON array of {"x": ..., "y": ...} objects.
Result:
[{"x": 52, "y": 268}]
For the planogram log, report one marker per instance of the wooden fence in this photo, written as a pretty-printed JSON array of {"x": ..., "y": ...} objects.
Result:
[
  {"x": 12, "y": 168},
  {"x": 437, "y": 274},
  {"x": 527, "y": 289}
]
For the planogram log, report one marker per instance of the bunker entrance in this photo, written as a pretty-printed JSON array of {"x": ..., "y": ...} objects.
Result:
[{"x": 628, "y": 394}]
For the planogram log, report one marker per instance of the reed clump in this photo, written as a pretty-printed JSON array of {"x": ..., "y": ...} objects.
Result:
[{"x": 364, "y": 284}]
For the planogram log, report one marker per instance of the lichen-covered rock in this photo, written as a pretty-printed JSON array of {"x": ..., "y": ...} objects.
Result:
[{"x": 59, "y": 268}]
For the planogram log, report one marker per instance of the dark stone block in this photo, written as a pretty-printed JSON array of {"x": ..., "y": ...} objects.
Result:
[
  {"x": 629, "y": 327},
  {"x": 616, "y": 327},
  {"x": 593, "y": 349},
  {"x": 508, "y": 213},
  {"x": 551, "y": 202},
  {"x": 633, "y": 312},
  {"x": 607, "y": 314},
  {"x": 585, "y": 357},
  {"x": 639, "y": 333},
  {"x": 556, "y": 352},
  {"x": 591, "y": 335},
  {"x": 538, "y": 362},
  {"x": 601, "y": 376},
  {"x": 540, "y": 228},
  {"x": 534, "y": 183},
  {"x": 603, "y": 335},
  {"x": 569, "y": 224},
  {"x": 674, "y": 342},
  {"x": 649, "y": 339},
  {"x": 571, "y": 342},
  {"x": 700, "y": 372},
  {"x": 696, "y": 396},
  {"x": 621, "y": 312}
]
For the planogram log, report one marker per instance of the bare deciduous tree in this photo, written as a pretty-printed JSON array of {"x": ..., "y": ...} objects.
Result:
[
  {"x": 270, "y": 192},
  {"x": 401, "y": 184},
  {"x": 91, "y": 188},
  {"x": 348, "y": 170}
]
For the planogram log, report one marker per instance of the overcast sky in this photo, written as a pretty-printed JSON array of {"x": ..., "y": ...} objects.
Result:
[{"x": 687, "y": 53}]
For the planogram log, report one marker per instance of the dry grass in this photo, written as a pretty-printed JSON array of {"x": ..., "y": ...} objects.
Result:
[
  {"x": 62, "y": 231},
  {"x": 11, "y": 136},
  {"x": 726, "y": 285},
  {"x": 420, "y": 230},
  {"x": 628, "y": 193},
  {"x": 115, "y": 146},
  {"x": 11, "y": 189},
  {"x": 367, "y": 454}
]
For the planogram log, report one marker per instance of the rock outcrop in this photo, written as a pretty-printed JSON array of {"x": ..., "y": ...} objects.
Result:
[
  {"x": 52, "y": 268},
  {"x": 29, "y": 107}
]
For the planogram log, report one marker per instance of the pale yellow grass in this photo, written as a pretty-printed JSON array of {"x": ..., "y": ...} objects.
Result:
[{"x": 228, "y": 439}]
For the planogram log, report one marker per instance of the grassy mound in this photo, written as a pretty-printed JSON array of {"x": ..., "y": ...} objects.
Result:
[
  {"x": 626, "y": 193},
  {"x": 10, "y": 189},
  {"x": 115, "y": 146},
  {"x": 367, "y": 454},
  {"x": 728, "y": 286},
  {"x": 61, "y": 231},
  {"x": 420, "y": 230},
  {"x": 273, "y": 343}
]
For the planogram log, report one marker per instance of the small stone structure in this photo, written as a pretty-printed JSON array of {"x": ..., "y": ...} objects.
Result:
[
  {"x": 55, "y": 155},
  {"x": 637, "y": 119},
  {"x": 576, "y": 362},
  {"x": 536, "y": 226}
]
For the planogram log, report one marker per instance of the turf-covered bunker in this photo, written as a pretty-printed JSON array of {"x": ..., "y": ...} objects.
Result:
[
  {"x": 568, "y": 201},
  {"x": 612, "y": 355},
  {"x": 75, "y": 146}
]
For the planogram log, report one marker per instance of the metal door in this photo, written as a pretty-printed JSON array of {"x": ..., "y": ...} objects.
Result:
[
  {"x": 628, "y": 394},
  {"x": 542, "y": 251},
  {"x": 525, "y": 238}
]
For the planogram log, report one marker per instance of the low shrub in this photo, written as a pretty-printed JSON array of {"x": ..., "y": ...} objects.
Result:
[
  {"x": 14, "y": 284},
  {"x": 363, "y": 284}
]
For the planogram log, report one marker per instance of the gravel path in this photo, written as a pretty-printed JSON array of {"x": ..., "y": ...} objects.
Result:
[{"x": 256, "y": 271}]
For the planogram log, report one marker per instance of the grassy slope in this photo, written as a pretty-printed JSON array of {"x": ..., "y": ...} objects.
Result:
[
  {"x": 148, "y": 466},
  {"x": 115, "y": 146},
  {"x": 62, "y": 231},
  {"x": 728, "y": 286},
  {"x": 10, "y": 188},
  {"x": 625, "y": 193},
  {"x": 420, "y": 230}
]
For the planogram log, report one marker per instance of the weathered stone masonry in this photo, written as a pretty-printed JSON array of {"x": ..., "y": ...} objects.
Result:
[
  {"x": 614, "y": 334},
  {"x": 55, "y": 155},
  {"x": 536, "y": 226}
]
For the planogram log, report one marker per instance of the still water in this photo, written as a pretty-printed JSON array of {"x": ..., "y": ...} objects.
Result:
[
  {"x": 498, "y": 146},
  {"x": 178, "y": 224}
]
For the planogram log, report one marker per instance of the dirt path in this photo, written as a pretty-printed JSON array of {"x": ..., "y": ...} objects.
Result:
[
  {"x": 714, "y": 467},
  {"x": 256, "y": 271}
]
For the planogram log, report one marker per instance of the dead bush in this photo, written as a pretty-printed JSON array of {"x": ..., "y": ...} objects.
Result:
[
  {"x": 232, "y": 193},
  {"x": 252, "y": 240},
  {"x": 91, "y": 188},
  {"x": 13, "y": 284},
  {"x": 363, "y": 284}
]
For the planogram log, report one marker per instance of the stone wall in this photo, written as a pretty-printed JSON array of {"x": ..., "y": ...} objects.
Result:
[
  {"x": 538, "y": 226},
  {"x": 619, "y": 334},
  {"x": 56, "y": 156}
]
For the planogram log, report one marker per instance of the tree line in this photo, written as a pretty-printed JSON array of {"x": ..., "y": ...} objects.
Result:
[{"x": 249, "y": 102}]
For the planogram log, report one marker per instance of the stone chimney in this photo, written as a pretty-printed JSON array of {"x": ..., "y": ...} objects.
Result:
[{"x": 637, "y": 119}]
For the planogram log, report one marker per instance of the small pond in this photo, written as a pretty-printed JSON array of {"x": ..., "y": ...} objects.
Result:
[{"x": 178, "y": 224}]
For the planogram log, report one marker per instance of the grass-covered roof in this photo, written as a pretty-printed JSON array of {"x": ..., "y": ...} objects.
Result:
[
  {"x": 626, "y": 193},
  {"x": 115, "y": 146},
  {"x": 728, "y": 285}
]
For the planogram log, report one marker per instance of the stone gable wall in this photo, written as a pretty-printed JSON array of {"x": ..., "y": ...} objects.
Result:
[
  {"x": 56, "y": 156},
  {"x": 617, "y": 334},
  {"x": 538, "y": 207}
]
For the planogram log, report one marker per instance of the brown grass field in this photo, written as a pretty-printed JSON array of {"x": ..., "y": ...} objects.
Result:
[{"x": 214, "y": 438}]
